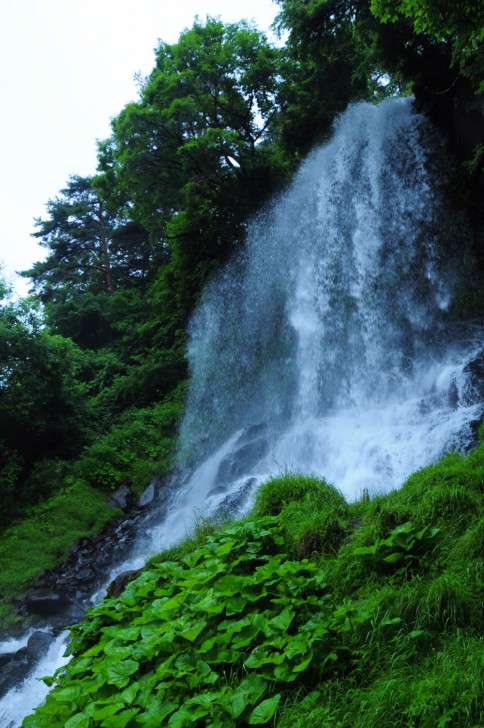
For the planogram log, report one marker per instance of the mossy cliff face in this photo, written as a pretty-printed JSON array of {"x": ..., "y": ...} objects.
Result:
[{"x": 310, "y": 611}]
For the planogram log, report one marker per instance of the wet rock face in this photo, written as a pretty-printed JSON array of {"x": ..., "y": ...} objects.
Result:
[
  {"x": 475, "y": 379},
  {"x": 47, "y": 602},
  {"x": 147, "y": 497},
  {"x": 119, "y": 584},
  {"x": 249, "y": 449},
  {"x": 235, "y": 482},
  {"x": 122, "y": 498},
  {"x": 37, "y": 645},
  {"x": 14, "y": 666},
  {"x": 235, "y": 501}
]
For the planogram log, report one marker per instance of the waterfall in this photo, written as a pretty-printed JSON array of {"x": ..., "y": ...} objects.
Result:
[
  {"x": 327, "y": 333},
  {"x": 322, "y": 348}
]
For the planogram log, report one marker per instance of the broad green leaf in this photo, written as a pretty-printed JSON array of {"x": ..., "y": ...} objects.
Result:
[
  {"x": 68, "y": 693},
  {"x": 129, "y": 693},
  {"x": 125, "y": 634},
  {"x": 235, "y": 605},
  {"x": 261, "y": 656},
  {"x": 193, "y": 632},
  {"x": 225, "y": 548},
  {"x": 116, "y": 652},
  {"x": 236, "y": 703},
  {"x": 244, "y": 637},
  {"x": 263, "y": 712},
  {"x": 298, "y": 645},
  {"x": 121, "y": 720},
  {"x": 284, "y": 673},
  {"x": 104, "y": 711},
  {"x": 211, "y": 604},
  {"x": 230, "y": 585},
  {"x": 80, "y": 720},
  {"x": 156, "y": 712},
  {"x": 303, "y": 664},
  {"x": 205, "y": 699},
  {"x": 195, "y": 557},
  {"x": 255, "y": 685},
  {"x": 119, "y": 673},
  {"x": 283, "y": 620},
  {"x": 187, "y": 715},
  {"x": 173, "y": 603}
]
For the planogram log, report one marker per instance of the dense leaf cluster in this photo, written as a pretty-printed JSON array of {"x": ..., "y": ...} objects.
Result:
[
  {"x": 208, "y": 640},
  {"x": 226, "y": 630}
]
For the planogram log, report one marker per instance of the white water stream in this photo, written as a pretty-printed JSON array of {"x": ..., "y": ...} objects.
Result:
[{"x": 321, "y": 348}]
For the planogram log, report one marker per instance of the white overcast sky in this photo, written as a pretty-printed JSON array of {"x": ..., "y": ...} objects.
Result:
[{"x": 66, "y": 68}]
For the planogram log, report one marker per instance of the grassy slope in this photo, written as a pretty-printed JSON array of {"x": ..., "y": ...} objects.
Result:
[
  {"x": 43, "y": 540},
  {"x": 134, "y": 449},
  {"x": 373, "y": 618}
]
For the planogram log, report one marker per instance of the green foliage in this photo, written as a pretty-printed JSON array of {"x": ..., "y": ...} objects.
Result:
[
  {"x": 225, "y": 630},
  {"x": 44, "y": 414},
  {"x": 206, "y": 640},
  {"x": 461, "y": 22},
  {"x": 43, "y": 539},
  {"x": 138, "y": 447},
  {"x": 192, "y": 140},
  {"x": 401, "y": 551},
  {"x": 194, "y": 157},
  {"x": 314, "y": 514},
  {"x": 332, "y": 60}
]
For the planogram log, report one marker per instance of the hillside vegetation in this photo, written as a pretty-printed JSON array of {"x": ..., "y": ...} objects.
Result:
[{"x": 309, "y": 612}]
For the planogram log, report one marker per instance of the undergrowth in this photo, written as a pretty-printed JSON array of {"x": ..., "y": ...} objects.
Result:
[
  {"x": 43, "y": 539},
  {"x": 310, "y": 612},
  {"x": 135, "y": 449}
]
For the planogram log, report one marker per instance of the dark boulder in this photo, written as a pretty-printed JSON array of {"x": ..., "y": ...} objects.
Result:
[
  {"x": 233, "y": 502},
  {"x": 474, "y": 391},
  {"x": 147, "y": 497},
  {"x": 37, "y": 645},
  {"x": 15, "y": 667},
  {"x": 241, "y": 460},
  {"x": 119, "y": 584},
  {"x": 123, "y": 498},
  {"x": 47, "y": 602}
]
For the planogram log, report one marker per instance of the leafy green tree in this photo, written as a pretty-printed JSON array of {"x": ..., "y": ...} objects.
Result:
[
  {"x": 459, "y": 24},
  {"x": 77, "y": 234},
  {"x": 43, "y": 408},
  {"x": 330, "y": 62},
  {"x": 193, "y": 156},
  {"x": 92, "y": 254}
]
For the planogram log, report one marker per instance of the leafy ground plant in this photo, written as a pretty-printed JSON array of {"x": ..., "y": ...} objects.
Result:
[
  {"x": 210, "y": 640},
  {"x": 383, "y": 631}
]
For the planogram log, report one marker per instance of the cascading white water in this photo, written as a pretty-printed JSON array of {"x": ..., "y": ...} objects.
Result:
[
  {"x": 320, "y": 348},
  {"x": 328, "y": 329}
]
